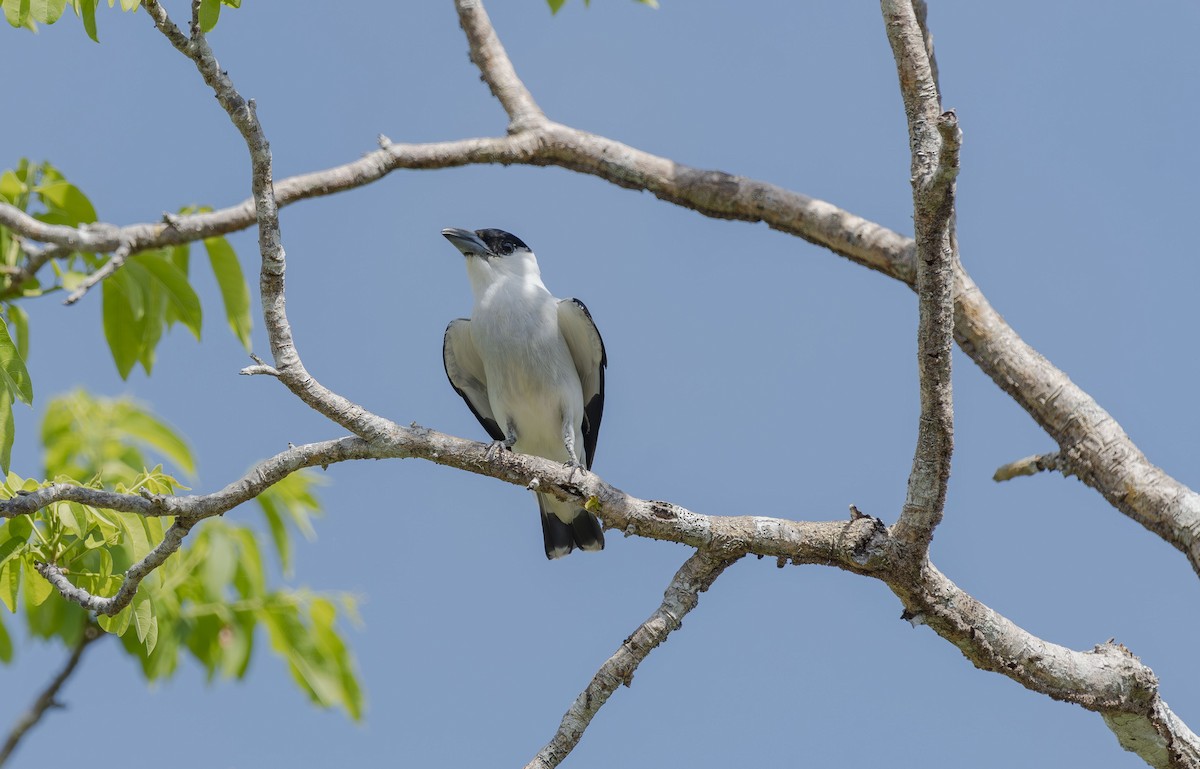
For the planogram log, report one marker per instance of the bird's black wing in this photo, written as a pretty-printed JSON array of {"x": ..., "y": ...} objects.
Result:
[
  {"x": 464, "y": 369},
  {"x": 587, "y": 350}
]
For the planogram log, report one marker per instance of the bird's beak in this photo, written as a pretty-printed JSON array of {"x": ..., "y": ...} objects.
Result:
[{"x": 466, "y": 241}]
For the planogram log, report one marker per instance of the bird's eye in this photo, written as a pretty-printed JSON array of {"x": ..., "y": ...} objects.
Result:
[{"x": 506, "y": 249}]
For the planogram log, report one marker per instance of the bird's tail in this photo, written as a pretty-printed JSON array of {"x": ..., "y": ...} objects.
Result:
[{"x": 566, "y": 526}]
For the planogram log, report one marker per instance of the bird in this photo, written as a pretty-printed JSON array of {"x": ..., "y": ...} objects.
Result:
[{"x": 530, "y": 367}]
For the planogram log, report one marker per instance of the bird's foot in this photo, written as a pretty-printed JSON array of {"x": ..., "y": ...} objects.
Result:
[
  {"x": 495, "y": 448},
  {"x": 576, "y": 467}
]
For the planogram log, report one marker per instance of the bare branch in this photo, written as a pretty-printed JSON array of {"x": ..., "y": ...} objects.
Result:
[
  {"x": 48, "y": 697},
  {"x": 488, "y": 54},
  {"x": 934, "y": 141},
  {"x": 1030, "y": 466},
  {"x": 271, "y": 284},
  {"x": 172, "y": 540},
  {"x": 695, "y": 576},
  {"x": 1108, "y": 679}
]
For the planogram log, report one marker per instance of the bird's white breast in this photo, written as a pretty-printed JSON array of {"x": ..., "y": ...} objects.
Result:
[{"x": 531, "y": 376}]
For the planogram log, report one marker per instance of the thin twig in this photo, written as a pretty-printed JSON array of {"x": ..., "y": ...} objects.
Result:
[
  {"x": 171, "y": 542},
  {"x": 47, "y": 698},
  {"x": 488, "y": 54},
  {"x": 1038, "y": 463},
  {"x": 695, "y": 576},
  {"x": 290, "y": 368},
  {"x": 115, "y": 262}
]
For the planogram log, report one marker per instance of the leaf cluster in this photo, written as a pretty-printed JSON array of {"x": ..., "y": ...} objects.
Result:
[{"x": 207, "y": 601}]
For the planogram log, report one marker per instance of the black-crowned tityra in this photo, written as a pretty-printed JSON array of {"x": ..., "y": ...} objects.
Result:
[{"x": 531, "y": 368}]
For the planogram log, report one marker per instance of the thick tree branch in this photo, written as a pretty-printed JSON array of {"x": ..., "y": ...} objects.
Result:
[
  {"x": 934, "y": 141},
  {"x": 1109, "y": 679},
  {"x": 48, "y": 697},
  {"x": 695, "y": 576}
]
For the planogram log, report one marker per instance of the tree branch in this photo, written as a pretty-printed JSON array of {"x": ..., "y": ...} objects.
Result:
[
  {"x": 695, "y": 576},
  {"x": 934, "y": 141},
  {"x": 1108, "y": 680},
  {"x": 46, "y": 699},
  {"x": 291, "y": 369},
  {"x": 492, "y": 60}
]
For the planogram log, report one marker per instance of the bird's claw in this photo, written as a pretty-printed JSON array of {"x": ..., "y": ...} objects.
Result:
[
  {"x": 575, "y": 467},
  {"x": 495, "y": 448}
]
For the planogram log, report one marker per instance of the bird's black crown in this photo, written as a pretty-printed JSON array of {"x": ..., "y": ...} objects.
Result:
[{"x": 500, "y": 242}]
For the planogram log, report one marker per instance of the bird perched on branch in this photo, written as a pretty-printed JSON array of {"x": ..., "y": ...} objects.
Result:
[{"x": 531, "y": 369}]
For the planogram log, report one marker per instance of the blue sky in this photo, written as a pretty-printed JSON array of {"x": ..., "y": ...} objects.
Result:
[{"x": 749, "y": 372}]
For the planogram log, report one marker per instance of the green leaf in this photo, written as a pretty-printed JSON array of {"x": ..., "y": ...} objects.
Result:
[
  {"x": 154, "y": 308},
  {"x": 250, "y": 578},
  {"x": 20, "y": 527},
  {"x": 88, "y": 8},
  {"x": 145, "y": 427},
  {"x": 178, "y": 256},
  {"x": 144, "y": 621},
  {"x": 210, "y": 11},
  {"x": 66, "y": 198},
  {"x": 237, "y": 645},
  {"x": 118, "y": 623},
  {"x": 136, "y": 534},
  {"x": 10, "y": 582},
  {"x": 130, "y": 5},
  {"x": 8, "y": 428},
  {"x": 18, "y": 323},
  {"x": 11, "y": 186},
  {"x": 17, "y": 12},
  {"x": 555, "y": 5},
  {"x": 37, "y": 587},
  {"x": 183, "y": 299},
  {"x": 234, "y": 290},
  {"x": 6, "y": 647},
  {"x": 219, "y": 567},
  {"x": 279, "y": 532},
  {"x": 13, "y": 374},
  {"x": 11, "y": 541},
  {"x": 121, "y": 327}
]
